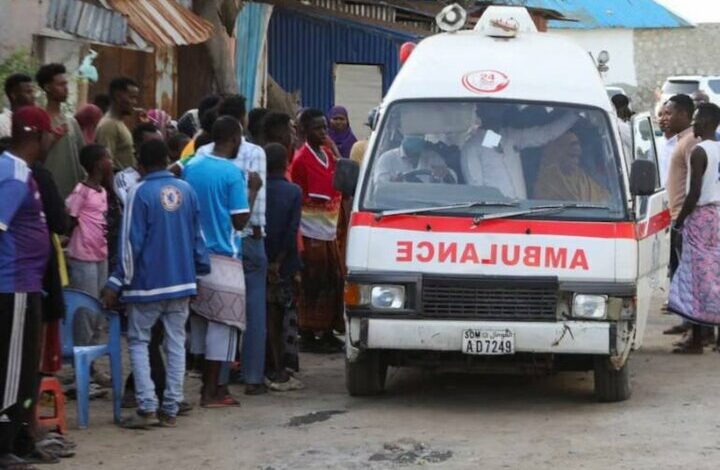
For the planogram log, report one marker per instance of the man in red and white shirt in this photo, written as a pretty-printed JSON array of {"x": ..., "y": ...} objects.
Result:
[{"x": 321, "y": 303}]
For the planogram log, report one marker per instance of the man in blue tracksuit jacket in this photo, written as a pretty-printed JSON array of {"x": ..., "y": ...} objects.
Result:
[{"x": 161, "y": 251}]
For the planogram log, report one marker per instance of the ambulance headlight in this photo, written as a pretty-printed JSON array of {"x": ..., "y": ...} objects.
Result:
[
  {"x": 589, "y": 307},
  {"x": 387, "y": 297}
]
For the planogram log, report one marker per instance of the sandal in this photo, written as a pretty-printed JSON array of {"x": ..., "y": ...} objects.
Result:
[
  {"x": 56, "y": 448},
  {"x": 55, "y": 436},
  {"x": 225, "y": 402},
  {"x": 13, "y": 462}
]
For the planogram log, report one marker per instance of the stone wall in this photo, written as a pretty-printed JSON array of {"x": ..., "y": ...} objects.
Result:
[{"x": 660, "y": 53}]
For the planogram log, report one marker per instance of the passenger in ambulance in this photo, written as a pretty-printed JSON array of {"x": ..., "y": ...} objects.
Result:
[
  {"x": 562, "y": 177},
  {"x": 414, "y": 161},
  {"x": 491, "y": 157}
]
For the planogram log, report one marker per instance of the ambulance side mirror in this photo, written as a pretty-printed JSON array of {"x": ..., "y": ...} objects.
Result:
[
  {"x": 346, "y": 176},
  {"x": 643, "y": 174}
]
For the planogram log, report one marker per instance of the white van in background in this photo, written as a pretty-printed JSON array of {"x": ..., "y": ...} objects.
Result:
[{"x": 689, "y": 84}]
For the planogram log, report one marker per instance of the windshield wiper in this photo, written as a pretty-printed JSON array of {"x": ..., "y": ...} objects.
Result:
[
  {"x": 462, "y": 205},
  {"x": 537, "y": 210},
  {"x": 573, "y": 205}
]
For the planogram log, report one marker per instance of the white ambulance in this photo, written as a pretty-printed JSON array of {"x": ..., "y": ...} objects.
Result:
[{"x": 502, "y": 218}]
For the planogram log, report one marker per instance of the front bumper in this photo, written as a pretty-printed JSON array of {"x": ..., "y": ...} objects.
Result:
[{"x": 565, "y": 337}]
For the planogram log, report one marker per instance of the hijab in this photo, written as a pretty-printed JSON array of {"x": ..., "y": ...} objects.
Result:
[
  {"x": 344, "y": 139},
  {"x": 88, "y": 117}
]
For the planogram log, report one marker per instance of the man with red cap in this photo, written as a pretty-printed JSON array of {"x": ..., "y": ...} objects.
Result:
[{"x": 24, "y": 250}]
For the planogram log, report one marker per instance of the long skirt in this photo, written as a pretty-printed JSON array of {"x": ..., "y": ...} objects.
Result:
[
  {"x": 695, "y": 288},
  {"x": 320, "y": 306}
]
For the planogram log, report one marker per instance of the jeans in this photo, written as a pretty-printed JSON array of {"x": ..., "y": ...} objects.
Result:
[
  {"x": 88, "y": 276},
  {"x": 255, "y": 334},
  {"x": 141, "y": 318}
]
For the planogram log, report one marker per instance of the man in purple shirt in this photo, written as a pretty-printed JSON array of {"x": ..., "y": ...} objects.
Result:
[{"x": 24, "y": 251}]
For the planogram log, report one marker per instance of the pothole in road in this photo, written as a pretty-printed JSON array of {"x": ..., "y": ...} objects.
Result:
[
  {"x": 410, "y": 452},
  {"x": 314, "y": 417}
]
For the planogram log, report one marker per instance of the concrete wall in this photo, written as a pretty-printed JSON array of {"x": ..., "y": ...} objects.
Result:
[
  {"x": 660, "y": 53},
  {"x": 19, "y": 20}
]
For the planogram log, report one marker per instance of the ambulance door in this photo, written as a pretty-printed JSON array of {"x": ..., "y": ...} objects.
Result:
[{"x": 653, "y": 230}]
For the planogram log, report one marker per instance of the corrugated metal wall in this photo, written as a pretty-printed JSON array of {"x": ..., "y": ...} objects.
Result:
[{"x": 302, "y": 50}]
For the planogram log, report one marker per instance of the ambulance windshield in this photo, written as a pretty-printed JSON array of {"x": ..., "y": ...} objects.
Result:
[{"x": 445, "y": 153}]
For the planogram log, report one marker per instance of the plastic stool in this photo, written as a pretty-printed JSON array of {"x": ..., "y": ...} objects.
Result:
[{"x": 51, "y": 385}]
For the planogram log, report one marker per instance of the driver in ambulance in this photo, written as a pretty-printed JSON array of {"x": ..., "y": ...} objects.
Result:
[{"x": 413, "y": 162}]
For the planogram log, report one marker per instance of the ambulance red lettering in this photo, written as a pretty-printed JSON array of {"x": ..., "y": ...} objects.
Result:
[
  {"x": 515, "y": 256},
  {"x": 493, "y": 255},
  {"x": 429, "y": 252},
  {"x": 469, "y": 254},
  {"x": 532, "y": 256},
  {"x": 555, "y": 257},
  {"x": 446, "y": 251},
  {"x": 404, "y": 252},
  {"x": 579, "y": 260}
]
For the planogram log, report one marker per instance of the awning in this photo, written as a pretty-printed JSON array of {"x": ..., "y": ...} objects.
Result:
[
  {"x": 140, "y": 24},
  {"x": 163, "y": 22}
]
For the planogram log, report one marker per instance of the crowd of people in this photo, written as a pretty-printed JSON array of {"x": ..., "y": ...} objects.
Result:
[
  {"x": 215, "y": 236},
  {"x": 219, "y": 237}
]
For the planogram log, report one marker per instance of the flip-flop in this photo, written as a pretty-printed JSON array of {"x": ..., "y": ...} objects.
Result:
[
  {"x": 56, "y": 448},
  {"x": 226, "y": 402},
  {"x": 55, "y": 438}
]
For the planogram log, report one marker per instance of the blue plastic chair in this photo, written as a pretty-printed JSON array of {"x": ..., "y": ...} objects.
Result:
[{"x": 83, "y": 356}]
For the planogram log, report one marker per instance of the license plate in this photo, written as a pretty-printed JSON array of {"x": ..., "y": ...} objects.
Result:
[{"x": 488, "y": 342}]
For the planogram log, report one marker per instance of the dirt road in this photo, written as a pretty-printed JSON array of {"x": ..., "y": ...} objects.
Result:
[{"x": 444, "y": 421}]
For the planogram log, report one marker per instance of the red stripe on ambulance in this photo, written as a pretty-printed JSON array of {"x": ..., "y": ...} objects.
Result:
[{"x": 421, "y": 223}]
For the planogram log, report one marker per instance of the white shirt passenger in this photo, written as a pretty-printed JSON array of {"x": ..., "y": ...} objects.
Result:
[{"x": 492, "y": 158}]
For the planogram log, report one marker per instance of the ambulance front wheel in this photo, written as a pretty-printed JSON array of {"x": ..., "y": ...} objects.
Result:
[
  {"x": 611, "y": 384},
  {"x": 366, "y": 374}
]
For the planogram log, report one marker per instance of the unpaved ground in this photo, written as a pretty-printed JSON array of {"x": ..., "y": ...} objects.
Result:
[{"x": 438, "y": 421}]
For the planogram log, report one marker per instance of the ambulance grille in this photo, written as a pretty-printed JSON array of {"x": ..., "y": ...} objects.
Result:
[{"x": 490, "y": 298}]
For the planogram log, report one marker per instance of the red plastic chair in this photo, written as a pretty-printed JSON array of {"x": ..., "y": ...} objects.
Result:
[{"x": 51, "y": 386}]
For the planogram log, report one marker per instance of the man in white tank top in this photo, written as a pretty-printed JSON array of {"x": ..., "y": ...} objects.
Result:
[{"x": 695, "y": 288}]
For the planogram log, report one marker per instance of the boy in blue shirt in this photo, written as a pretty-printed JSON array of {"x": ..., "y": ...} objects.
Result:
[
  {"x": 161, "y": 252},
  {"x": 224, "y": 210}
]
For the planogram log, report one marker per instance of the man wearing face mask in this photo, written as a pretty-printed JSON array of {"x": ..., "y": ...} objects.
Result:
[{"x": 414, "y": 162}]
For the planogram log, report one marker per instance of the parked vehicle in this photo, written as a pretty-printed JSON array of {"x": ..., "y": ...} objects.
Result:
[
  {"x": 457, "y": 260},
  {"x": 689, "y": 84}
]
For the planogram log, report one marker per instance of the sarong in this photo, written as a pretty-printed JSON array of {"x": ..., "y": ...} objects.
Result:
[
  {"x": 695, "y": 288},
  {"x": 320, "y": 306},
  {"x": 221, "y": 294}
]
